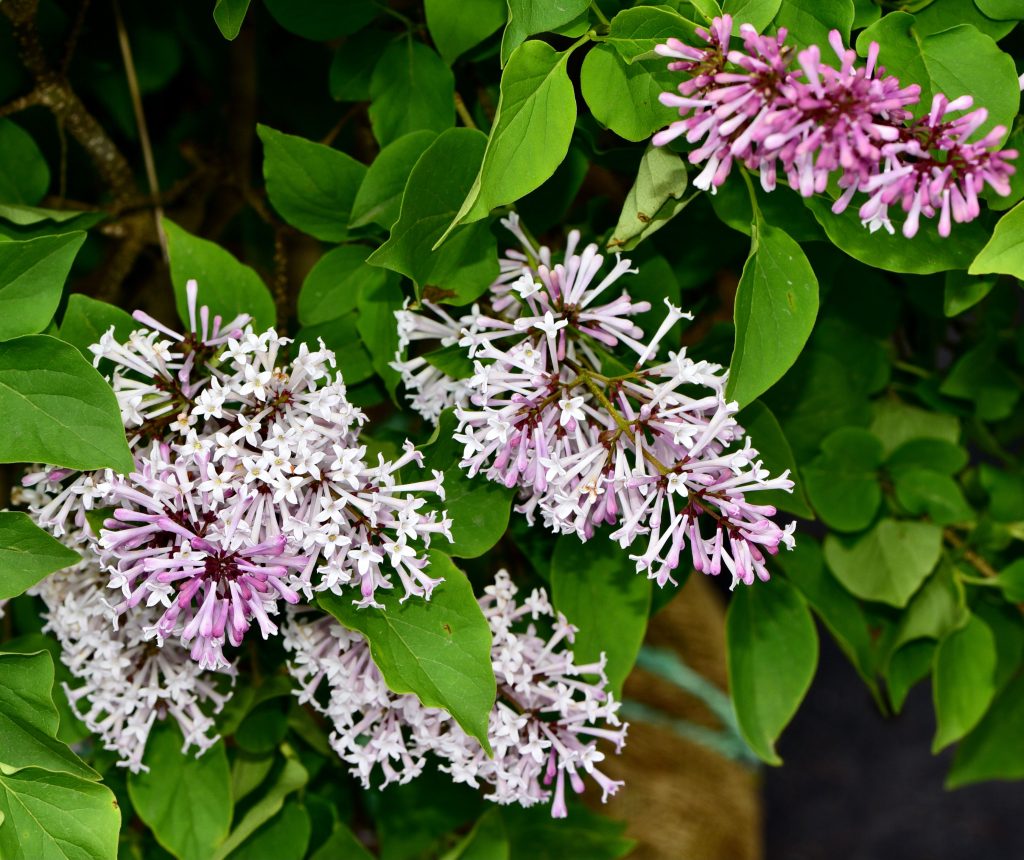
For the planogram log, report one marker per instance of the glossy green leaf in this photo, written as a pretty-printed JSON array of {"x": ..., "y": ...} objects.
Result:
[
  {"x": 439, "y": 650},
  {"x": 27, "y": 554},
  {"x": 776, "y": 305},
  {"x": 226, "y": 286},
  {"x": 993, "y": 749},
  {"x": 379, "y": 198},
  {"x": 185, "y": 801},
  {"x": 458, "y": 25},
  {"x": 758, "y": 13},
  {"x": 888, "y": 563},
  {"x": 24, "y": 176},
  {"x": 32, "y": 276},
  {"x": 810, "y": 21},
  {"x": 624, "y": 96},
  {"x": 528, "y": 17},
  {"x": 843, "y": 481},
  {"x": 465, "y": 265},
  {"x": 86, "y": 320},
  {"x": 655, "y": 198},
  {"x": 531, "y": 131},
  {"x": 772, "y": 649},
  {"x": 964, "y": 681},
  {"x": 773, "y": 448},
  {"x": 1004, "y": 252},
  {"x": 229, "y": 15},
  {"x": 596, "y": 586},
  {"x": 635, "y": 32},
  {"x": 58, "y": 408},
  {"x": 333, "y": 286},
  {"x": 411, "y": 89},
  {"x": 312, "y": 186}
]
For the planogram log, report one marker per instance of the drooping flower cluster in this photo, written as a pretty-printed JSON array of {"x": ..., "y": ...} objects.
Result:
[
  {"x": 812, "y": 121},
  {"x": 250, "y": 487},
  {"x": 653, "y": 451},
  {"x": 544, "y": 728}
]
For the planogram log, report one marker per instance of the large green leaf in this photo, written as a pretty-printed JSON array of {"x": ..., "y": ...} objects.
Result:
[
  {"x": 465, "y": 266},
  {"x": 757, "y": 13},
  {"x": 843, "y": 481},
  {"x": 24, "y": 176},
  {"x": 809, "y": 21},
  {"x": 1003, "y": 254},
  {"x": 636, "y": 32},
  {"x": 311, "y": 185},
  {"x": 55, "y": 816},
  {"x": 379, "y": 198},
  {"x": 58, "y": 409},
  {"x": 964, "y": 680},
  {"x": 527, "y": 17},
  {"x": 411, "y": 89},
  {"x": 599, "y": 591},
  {"x": 439, "y": 650},
  {"x": 229, "y": 15},
  {"x": 333, "y": 286},
  {"x": 226, "y": 286},
  {"x": 776, "y": 305},
  {"x": 86, "y": 320},
  {"x": 32, "y": 276},
  {"x": 772, "y": 655},
  {"x": 889, "y": 562},
  {"x": 185, "y": 801},
  {"x": 285, "y": 837},
  {"x": 27, "y": 554},
  {"x": 458, "y": 25},
  {"x": 993, "y": 749},
  {"x": 531, "y": 131},
  {"x": 623, "y": 96}
]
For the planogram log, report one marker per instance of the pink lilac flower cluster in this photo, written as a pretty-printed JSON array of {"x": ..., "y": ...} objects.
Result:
[
  {"x": 814, "y": 121},
  {"x": 653, "y": 450},
  {"x": 544, "y": 728},
  {"x": 250, "y": 489}
]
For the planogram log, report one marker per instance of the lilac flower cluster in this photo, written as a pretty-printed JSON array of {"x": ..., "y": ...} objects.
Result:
[
  {"x": 653, "y": 451},
  {"x": 813, "y": 121},
  {"x": 544, "y": 728}
]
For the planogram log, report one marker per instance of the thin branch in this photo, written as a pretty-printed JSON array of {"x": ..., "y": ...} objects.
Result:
[
  {"x": 73, "y": 37},
  {"x": 464, "y": 114},
  {"x": 21, "y": 103},
  {"x": 968, "y": 554}
]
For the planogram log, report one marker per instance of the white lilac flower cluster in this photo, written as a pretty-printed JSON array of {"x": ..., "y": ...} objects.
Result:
[
  {"x": 654, "y": 451},
  {"x": 544, "y": 727}
]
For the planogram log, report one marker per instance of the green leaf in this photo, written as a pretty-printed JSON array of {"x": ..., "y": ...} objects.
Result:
[
  {"x": 451, "y": 360},
  {"x": 229, "y": 15},
  {"x": 333, "y": 286},
  {"x": 25, "y": 216},
  {"x": 342, "y": 336},
  {"x": 320, "y": 21},
  {"x": 772, "y": 649},
  {"x": 378, "y": 301},
  {"x": 935, "y": 454},
  {"x": 531, "y": 131},
  {"x": 58, "y": 409},
  {"x": 655, "y": 198},
  {"x": 1001, "y": 10},
  {"x": 993, "y": 750},
  {"x": 486, "y": 841},
  {"x": 981, "y": 376},
  {"x": 29, "y": 720},
  {"x": 292, "y": 777},
  {"x": 86, "y": 320},
  {"x": 908, "y": 666},
  {"x": 466, "y": 265},
  {"x": 809, "y": 21},
  {"x": 226, "y": 286},
  {"x": 623, "y": 96},
  {"x": 766, "y": 434},
  {"x": 32, "y": 276},
  {"x": 926, "y": 253},
  {"x": 439, "y": 650},
  {"x": 379, "y": 198},
  {"x": 926, "y": 492},
  {"x": 528, "y": 17},
  {"x": 888, "y": 563},
  {"x": 963, "y": 292},
  {"x": 285, "y": 837},
  {"x": 24, "y": 176},
  {"x": 479, "y": 509},
  {"x": 312, "y": 186},
  {"x": 353, "y": 63},
  {"x": 185, "y": 801},
  {"x": 599, "y": 591},
  {"x": 636, "y": 32},
  {"x": 964, "y": 681},
  {"x": 411, "y": 89},
  {"x": 1011, "y": 581},
  {"x": 342, "y": 843},
  {"x": 935, "y": 610},
  {"x": 1004, "y": 252},
  {"x": 534, "y": 835},
  {"x": 1005, "y": 491},
  {"x": 776, "y": 304},
  {"x": 896, "y": 423},
  {"x": 27, "y": 554},
  {"x": 758, "y": 13},
  {"x": 458, "y": 25},
  {"x": 940, "y": 15},
  {"x": 55, "y": 816},
  {"x": 955, "y": 62},
  {"x": 842, "y": 481}
]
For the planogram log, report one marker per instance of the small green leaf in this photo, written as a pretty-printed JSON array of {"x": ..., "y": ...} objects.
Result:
[
  {"x": 896, "y": 423},
  {"x": 226, "y": 286},
  {"x": 993, "y": 749},
  {"x": 24, "y": 176},
  {"x": 458, "y": 25},
  {"x": 466, "y": 265},
  {"x": 908, "y": 666},
  {"x": 312, "y": 186},
  {"x": 843, "y": 482},
  {"x": 981, "y": 376},
  {"x": 379, "y": 198},
  {"x": 439, "y": 650},
  {"x": 86, "y": 320},
  {"x": 964, "y": 680},
  {"x": 776, "y": 305},
  {"x": 926, "y": 492},
  {"x": 935, "y": 454},
  {"x": 599, "y": 591},
  {"x": 411, "y": 89},
  {"x": 32, "y": 276},
  {"x": 528, "y": 17},
  {"x": 623, "y": 96},
  {"x": 888, "y": 563},
  {"x": 772, "y": 648},
  {"x": 185, "y": 801},
  {"x": 963, "y": 292},
  {"x": 766, "y": 434},
  {"x": 655, "y": 198},
  {"x": 1004, "y": 252},
  {"x": 229, "y": 15},
  {"x": 342, "y": 843},
  {"x": 333, "y": 286},
  {"x": 58, "y": 409},
  {"x": 27, "y": 554}
]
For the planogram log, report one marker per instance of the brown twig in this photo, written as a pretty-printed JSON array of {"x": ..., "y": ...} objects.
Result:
[{"x": 968, "y": 554}]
